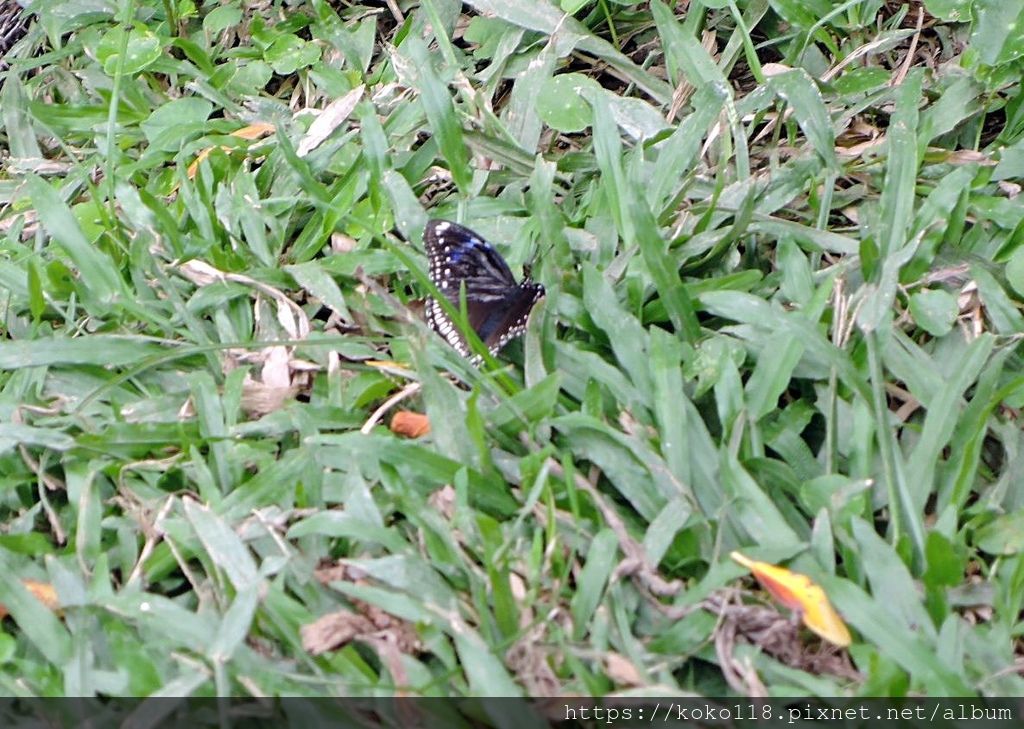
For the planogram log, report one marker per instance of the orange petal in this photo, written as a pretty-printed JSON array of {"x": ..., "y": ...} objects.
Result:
[
  {"x": 197, "y": 161},
  {"x": 796, "y": 592},
  {"x": 253, "y": 131},
  {"x": 386, "y": 366},
  {"x": 410, "y": 424},
  {"x": 43, "y": 592}
]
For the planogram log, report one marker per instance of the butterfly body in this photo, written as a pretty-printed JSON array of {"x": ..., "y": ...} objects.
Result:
[{"x": 497, "y": 305}]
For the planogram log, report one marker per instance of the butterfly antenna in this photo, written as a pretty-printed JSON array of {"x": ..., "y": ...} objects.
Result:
[{"x": 528, "y": 267}]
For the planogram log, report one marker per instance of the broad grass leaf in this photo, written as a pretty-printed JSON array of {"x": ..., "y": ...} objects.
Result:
[
  {"x": 934, "y": 310},
  {"x": 129, "y": 56},
  {"x": 602, "y": 556},
  {"x": 595, "y": 441},
  {"x": 236, "y": 624},
  {"x": 891, "y": 582},
  {"x": 532, "y": 405},
  {"x": 663, "y": 270},
  {"x": 1003, "y": 535},
  {"x": 678, "y": 154},
  {"x": 957, "y": 11},
  {"x": 222, "y": 545},
  {"x": 942, "y": 418},
  {"x": 288, "y": 53},
  {"x": 686, "y": 56},
  {"x": 21, "y": 136},
  {"x": 15, "y": 434},
  {"x": 1015, "y": 271},
  {"x": 751, "y": 511},
  {"x": 998, "y": 31},
  {"x": 341, "y": 524},
  {"x": 772, "y": 375},
  {"x": 485, "y": 672},
  {"x": 667, "y": 392},
  {"x": 521, "y": 116},
  {"x": 799, "y": 91},
  {"x": 910, "y": 649},
  {"x": 100, "y": 278},
  {"x": 82, "y": 488},
  {"x": 177, "y": 121},
  {"x": 43, "y": 630},
  {"x": 1005, "y": 316},
  {"x": 314, "y": 279},
  {"x": 945, "y": 565},
  {"x": 897, "y": 201},
  {"x": 626, "y": 336},
  {"x": 548, "y": 19},
  {"x": 98, "y": 349},
  {"x": 561, "y": 105},
  {"x": 221, "y": 18},
  {"x": 439, "y": 109},
  {"x": 802, "y": 13},
  {"x": 410, "y": 575}
]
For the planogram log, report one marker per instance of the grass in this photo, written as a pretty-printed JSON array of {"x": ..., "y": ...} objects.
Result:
[{"x": 782, "y": 248}]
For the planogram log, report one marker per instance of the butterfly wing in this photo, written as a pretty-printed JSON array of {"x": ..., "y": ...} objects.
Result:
[{"x": 496, "y": 304}]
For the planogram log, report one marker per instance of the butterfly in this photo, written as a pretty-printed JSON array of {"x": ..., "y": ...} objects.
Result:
[{"x": 497, "y": 306}]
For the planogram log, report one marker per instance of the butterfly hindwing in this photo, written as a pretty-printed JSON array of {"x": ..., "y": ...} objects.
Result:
[{"x": 497, "y": 306}]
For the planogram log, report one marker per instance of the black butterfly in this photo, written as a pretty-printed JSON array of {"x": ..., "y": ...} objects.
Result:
[{"x": 497, "y": 306}]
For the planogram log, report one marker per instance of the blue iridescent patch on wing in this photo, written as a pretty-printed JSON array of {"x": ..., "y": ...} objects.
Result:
[{"x": 497, "y": 306}]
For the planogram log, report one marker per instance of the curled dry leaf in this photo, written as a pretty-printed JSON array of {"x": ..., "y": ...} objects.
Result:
[
  {"x": 337, "y": 629},
  {"x": 334, "y": 631},
  {"x": 527, "y": 658},
  {"x": 366, "y": 622},
  {"x": 410, "y": 424},
  {"x": 289, "y": 314},
  {"x": 1010, "y": 189},
  {"x": 772, "y": 633},
  {"x": 281, "y": 375}
]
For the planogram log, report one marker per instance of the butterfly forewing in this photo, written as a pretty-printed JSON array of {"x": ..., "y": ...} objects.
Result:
[{"x": 497, "y": 306}]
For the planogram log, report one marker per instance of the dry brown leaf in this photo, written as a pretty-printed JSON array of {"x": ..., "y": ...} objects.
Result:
[
  {"x": 341, "y": 243},
  {"x": 410, "y": 424},
  {"x": 333, "y": 116},
  {"x": 621, "y": 670},
  {"x": 443, "y": 501},
  {"x": 776, "y": 635},
  {"x": 969, "y": 156},
  {"x": 259, "y": 400},
  {"x": 520, "y": 593},
  {"x": 370, "y": 624},
  {"x": 527, "y": 658},
  {"x": 775, "y": 69},
  {"x": 1010, "y": 189},
  {"x": 276, "y": 372},
  {"x": 334, "y": 630},
  {"x": 281, "y": 375}
]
